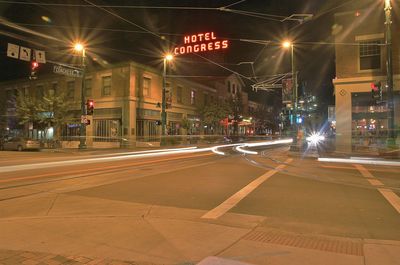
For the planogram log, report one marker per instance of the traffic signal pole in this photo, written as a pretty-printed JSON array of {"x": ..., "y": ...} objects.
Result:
[
  {"x": 164, "y": 103},
  {"x": 391, "y": 140},
  {"x": 82, "y": 138}
]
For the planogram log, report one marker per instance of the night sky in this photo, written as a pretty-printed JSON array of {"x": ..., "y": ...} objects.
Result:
[{"x": 144, "y": 34}]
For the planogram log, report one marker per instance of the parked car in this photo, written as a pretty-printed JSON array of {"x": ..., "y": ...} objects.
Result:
[{"x": 20, "y": 144}]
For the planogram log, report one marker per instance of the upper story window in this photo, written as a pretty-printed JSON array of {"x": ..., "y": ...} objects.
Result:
[
  {"x": 168, "y": 93},
  {"x": 88, "y": 87},
  {"x": 229, "y": 86},
  {"x": 179, "y": 93},
  {"x": 39, "y": 92},
  {"x": 192, "y": 97},
  {"x": 106, "y": 86},
  {"x": 53, "y": 89},
  {"x": 370, "y": 55},
  {"x": 146, "y": 87},
  {"x": 71, "y": 89},
  {"x": 233, "y": 89}
]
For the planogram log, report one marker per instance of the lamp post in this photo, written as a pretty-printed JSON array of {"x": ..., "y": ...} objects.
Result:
[
  {"x": 78, "y": 47},
  {"x": 167, "y": 58},
  {"x": 391, "y": 140},
  {"x": 287, "y": 45}
]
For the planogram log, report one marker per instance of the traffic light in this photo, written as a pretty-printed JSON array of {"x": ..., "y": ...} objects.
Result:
[
  {"x": 376, "y": 90},
  {"x": 89, "y": 107},
  {"x": 34, "y": 68}
]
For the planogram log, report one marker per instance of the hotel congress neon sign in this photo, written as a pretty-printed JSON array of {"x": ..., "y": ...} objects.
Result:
[{"x": 201, "y": 42}]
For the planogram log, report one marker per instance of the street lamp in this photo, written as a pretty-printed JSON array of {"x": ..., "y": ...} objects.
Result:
[
  {"x": 287, "y": 45},
  {"x": 168, "y": 57},
  {"x": 79, "y": 48}
]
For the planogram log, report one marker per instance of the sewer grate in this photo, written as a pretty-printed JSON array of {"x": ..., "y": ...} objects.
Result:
[{"x": 348, "y": 247}]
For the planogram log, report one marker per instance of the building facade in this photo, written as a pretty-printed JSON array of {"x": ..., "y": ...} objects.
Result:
[
  {"x": 127, "y": 99},
  {"x": 361, "y": 120}
]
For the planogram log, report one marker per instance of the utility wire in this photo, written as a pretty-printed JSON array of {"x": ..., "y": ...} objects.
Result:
[
  {"x": 155, "y": 34},
  {"x": 236, "y": 3}
]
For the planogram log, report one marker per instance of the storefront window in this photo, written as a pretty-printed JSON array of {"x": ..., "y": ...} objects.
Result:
[{"x": 369, "y": 121}]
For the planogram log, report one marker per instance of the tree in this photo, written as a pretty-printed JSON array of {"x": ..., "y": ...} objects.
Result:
[
  {"x": 236, "y": 106},
  {"x": 213, "y": 113},
  {"x": 50, "y": 111},
  {"x": 55, "y": 112}
]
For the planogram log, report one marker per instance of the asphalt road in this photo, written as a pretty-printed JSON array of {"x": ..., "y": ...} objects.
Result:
[{"x": 285, "y": 193}]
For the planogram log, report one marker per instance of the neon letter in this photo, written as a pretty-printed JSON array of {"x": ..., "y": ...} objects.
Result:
[
  {"x": 210, "y": 46},
  {"x": 182, "y": 50},
  {"x": 224, "y": 44},
  {"x": 186, "y": 39},
  {"x": 203, "y": 47},
  {"x": 217, "y": 45},
  {"x": 189, "y": 49},
  {"x": 194, "y": 38},
  {"x": 176, "y": 51},
  {"x": 207, "y": 36},
  {"x": 212, "y": 36},
  {"x": 200, "y": 36},
  {"x": 196, "y": 48}
]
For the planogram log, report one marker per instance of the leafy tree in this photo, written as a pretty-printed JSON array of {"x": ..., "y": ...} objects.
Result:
[
  {"x": 236, "y": 106},
  {"x": 213, "y": 113},
  {"x": 186, "y": 124},
  {"x": 50, "y": 111}
]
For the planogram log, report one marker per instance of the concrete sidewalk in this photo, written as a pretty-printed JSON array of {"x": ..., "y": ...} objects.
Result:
[{"x": 70, "y": 229}]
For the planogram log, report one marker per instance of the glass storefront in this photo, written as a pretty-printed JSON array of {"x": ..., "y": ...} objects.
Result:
[{"x": 369, "y": 121}]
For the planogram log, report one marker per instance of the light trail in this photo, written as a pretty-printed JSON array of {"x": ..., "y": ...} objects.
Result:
[
  {"x": 140, "y": 154},
  {"x": 360, "y": 161}
]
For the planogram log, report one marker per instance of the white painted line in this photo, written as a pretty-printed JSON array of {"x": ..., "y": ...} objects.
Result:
[
  {"x": 389, "y": 195},
  {"x": 241, "y": 194},
  {"x": 360, "y": 161}
]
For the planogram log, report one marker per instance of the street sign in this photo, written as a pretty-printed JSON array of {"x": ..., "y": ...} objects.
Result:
[
  {"x": 25, "y": 54},
  {"x": 68, "y": 71},
  {"x": 85, "y": 120},
  {"x": 40, "y": 56},
  {"x": 13, "y": 51}
]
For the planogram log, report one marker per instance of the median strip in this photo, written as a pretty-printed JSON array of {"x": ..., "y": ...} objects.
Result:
[{"x": 241, "y": 194}]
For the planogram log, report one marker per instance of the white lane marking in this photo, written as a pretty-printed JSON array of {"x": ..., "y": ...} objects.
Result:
[
  {"x": 241, "y": 194},
  {"x": 360, "y": 161},
  {"x": 391, "y": 197},
  {"x": 388, "y": 194}
]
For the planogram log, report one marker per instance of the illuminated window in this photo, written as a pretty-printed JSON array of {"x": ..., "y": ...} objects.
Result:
[
  {"x": 179, "y": 92},
  {"x": 192, "y": 97},
  {"x": 106, "y": 86},
  {"x": 370, "y": 55},
  {"x": 146, "y": 87}
]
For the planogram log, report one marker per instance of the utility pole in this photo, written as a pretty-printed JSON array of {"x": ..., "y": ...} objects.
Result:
[{"x": 391, "y": 140}]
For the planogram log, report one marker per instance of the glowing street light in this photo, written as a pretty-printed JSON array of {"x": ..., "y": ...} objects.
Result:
[
  {"x": 167, "y": 58},
  {"x": 286, "y": 45},
  {"x": 78, "y": 47}
]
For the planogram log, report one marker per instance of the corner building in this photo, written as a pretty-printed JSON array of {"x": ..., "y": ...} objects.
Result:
[{"x": 361, "y": 121}]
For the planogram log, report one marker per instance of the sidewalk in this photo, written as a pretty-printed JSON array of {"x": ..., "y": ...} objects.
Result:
[{"x": 71, "y": 229}]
